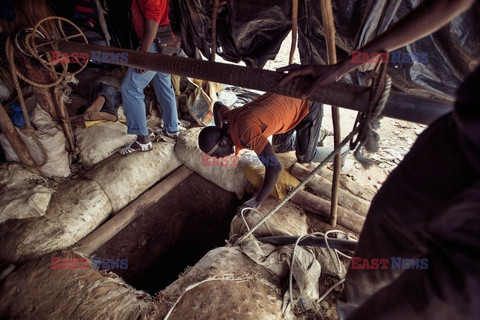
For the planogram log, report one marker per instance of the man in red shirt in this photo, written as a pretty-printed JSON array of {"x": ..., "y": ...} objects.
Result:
[
  {"x": 148, "y": 15},
  {"x": 294, "y": 123}
]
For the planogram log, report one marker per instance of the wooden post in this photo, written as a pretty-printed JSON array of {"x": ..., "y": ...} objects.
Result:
[
  {"x": 294, "y": 30},
  {"x": 64, "y": 121},
  {"x": 16, "y": 141},
  {"x": 214, "y": 30},
  {"x": 329, "y": 30}
]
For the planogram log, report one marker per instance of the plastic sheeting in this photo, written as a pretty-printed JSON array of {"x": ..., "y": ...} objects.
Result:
[{"x": 252, "y": 31}]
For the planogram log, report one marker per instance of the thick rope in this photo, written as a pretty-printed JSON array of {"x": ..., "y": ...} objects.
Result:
[
  {"x": 29, "y": 129},
  {"x": 369, "y": 122}
]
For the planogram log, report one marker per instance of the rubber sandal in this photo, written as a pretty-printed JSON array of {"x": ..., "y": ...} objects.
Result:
[{"x": 143, "y": 148}]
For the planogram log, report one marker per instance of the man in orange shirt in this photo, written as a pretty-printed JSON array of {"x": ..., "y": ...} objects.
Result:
[{"x": 294, "y": 123}]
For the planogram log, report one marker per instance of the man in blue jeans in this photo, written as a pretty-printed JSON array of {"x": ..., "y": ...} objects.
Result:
[{"x": 148, "y": 15}]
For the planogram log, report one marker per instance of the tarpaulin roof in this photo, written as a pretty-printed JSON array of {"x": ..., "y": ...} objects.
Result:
[{"x": 252, "y": 31}]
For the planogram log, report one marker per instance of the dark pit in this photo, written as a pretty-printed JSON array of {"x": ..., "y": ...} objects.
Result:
[{"x": 173, "y": 234}]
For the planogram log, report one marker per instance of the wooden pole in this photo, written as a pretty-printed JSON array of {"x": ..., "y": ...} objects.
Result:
[
  {"x": 109, "y": 229},
  {"x": 329, "y": 30},
  {"x": 355, "y": 188},
  {"x": 16, "y": 141},
  {"x": 323, "y": 187},
  {"x": 321, "y": 207},
  {"x": 214, "y": 30},
  {"x": 49, "y": 99},
  {"x": 64, "y": 120},
  {"x": 294, "y": 30},
  {"x": 399, "y": 105}
]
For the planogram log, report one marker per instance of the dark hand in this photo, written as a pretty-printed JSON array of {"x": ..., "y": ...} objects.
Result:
[
  {"x": 323, "y": 75},
  {"x": 252, "y": 203}
]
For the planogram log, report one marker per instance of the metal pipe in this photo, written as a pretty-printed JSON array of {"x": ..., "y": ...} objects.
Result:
[{"x": 400, "y": 106}]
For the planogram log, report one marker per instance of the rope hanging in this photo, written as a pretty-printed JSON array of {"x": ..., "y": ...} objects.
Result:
[{"x": 15, "y": 75}]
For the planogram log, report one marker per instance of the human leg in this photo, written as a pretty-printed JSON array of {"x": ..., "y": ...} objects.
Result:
[
  {"x": 284, "y": 142},
  {"x": 166, "y": 97},
  {"x": 307, "y": 133},
  {"x": 105, "y": 100},
  {"x": 133, "y": 100},
  {"x": 162, "y": 84}
]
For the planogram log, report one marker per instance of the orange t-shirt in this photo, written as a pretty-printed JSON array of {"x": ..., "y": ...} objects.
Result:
[{"x": 250, "y": 126}]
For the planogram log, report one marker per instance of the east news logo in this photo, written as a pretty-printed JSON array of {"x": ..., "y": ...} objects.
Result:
[{"x": 392, "y": 263}]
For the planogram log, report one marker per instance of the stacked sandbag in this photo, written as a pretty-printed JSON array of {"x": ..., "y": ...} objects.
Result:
[
  {"x": 52, "y": 139},
  {"x": 124, "y": 178},
  {"x": 37, "y": 291},
  {"x": 76, "y": 209},
  {"x": 24, "y": 194},
  {"x": 226, "y": 174},
  {"x": 80, "y": 205},
  {"x": 100, "y": 141}
]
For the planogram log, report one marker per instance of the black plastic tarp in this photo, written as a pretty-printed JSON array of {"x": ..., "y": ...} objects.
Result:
[{"x": 252, "y": 31}]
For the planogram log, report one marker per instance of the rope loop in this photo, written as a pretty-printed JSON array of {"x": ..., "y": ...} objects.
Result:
[{"x": 368, "y": 122}]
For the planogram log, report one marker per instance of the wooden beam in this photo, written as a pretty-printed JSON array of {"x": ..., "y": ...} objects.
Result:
[
  {"x": 329, "y": 31},
  {"x": 16, "y": 141},
  {"x": 323, "y": 187},
  {"x": 321, "y": 207}
]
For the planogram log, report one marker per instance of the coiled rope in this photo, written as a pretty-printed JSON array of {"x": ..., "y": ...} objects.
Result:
[{"x": 62, "y": 90}]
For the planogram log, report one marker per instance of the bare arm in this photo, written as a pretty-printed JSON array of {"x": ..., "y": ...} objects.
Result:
[
  {"x": 272, "y": 172},
  {"x": 427, "y": 18},
  {"x": 216, "y": 114},
  {"x": 149, "y": 34}
]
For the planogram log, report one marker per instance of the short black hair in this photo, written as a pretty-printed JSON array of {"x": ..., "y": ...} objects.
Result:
[{"x": 208, "y": 138}]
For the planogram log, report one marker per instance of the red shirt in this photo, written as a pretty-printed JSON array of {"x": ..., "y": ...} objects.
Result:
[
  {"x": 250, "y": 126},
  {"x": 156, "y": 10}
]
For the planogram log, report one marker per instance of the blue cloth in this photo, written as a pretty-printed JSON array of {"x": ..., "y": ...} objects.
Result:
[
  {"x": 17, "y": 116},
  {"x": 133, "y": 99}
]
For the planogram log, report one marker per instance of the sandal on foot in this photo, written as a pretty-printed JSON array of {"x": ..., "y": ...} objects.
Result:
[{"x": 142, "y": 147}]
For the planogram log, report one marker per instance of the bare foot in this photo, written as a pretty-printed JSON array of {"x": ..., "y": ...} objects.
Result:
[{"x": 98, "y": 115}]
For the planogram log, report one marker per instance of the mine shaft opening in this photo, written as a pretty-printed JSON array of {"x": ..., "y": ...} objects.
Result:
[{"x": 173, "y": 234}]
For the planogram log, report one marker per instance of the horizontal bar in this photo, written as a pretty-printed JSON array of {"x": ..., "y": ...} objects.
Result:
[{"x": 400, "y": 106}]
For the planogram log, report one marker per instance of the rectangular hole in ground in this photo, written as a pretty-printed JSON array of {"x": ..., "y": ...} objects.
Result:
[{"x": 171, "y": 235}]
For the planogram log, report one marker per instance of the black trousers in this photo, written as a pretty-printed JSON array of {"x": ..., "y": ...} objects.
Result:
[
  {"x": 304, "y": 137},
  {"x": 428, "y": 208}
]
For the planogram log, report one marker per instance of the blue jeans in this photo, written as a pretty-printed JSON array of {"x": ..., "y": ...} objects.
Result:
[{"x": 134, "y": 104}]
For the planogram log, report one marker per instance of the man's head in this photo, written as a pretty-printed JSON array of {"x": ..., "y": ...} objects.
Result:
[{"x": 215, "y": 142}]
